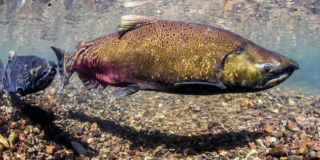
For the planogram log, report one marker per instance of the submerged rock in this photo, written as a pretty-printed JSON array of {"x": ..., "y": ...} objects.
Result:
[{"x": 79, "y": 148}]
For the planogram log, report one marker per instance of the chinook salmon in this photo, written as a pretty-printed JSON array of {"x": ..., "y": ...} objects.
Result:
[
  {"x": 173, "y": 57},
  {"x": 26, "y": 74}
]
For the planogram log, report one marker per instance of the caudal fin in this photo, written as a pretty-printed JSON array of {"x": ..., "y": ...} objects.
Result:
[{"x": 64, "y": 64}]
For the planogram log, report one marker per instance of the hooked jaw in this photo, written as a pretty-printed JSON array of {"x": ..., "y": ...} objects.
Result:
[
  {"x": 277, "y": 76},
  {"x": 47, "y": 75}
]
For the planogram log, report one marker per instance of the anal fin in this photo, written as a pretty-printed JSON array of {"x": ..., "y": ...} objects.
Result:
[{"x": 125, "y": 91}]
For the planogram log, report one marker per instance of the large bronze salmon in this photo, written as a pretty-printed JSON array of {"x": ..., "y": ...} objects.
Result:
[{"x": 173, "y": 57}]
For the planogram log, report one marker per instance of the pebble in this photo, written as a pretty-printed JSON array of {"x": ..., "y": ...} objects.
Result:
[
  {"x": 272, "y": 139},
  {"x": 227, "y": 97},
  {"x": 116, "y": 150},
  {"x": 317, "y": 155},
  {"x": 302, "y": 150},
  {"x": 70, "y": 155},
  {"x": 4, "y": 142},
  {"x": 277, "y": 151},
  {"x": 50, "y": 149},
  {"x": 303, "y": 136},
  {"x": 300, "y": 120},
  {"x": 260, "y": 143},
  {"x": 294, "y": 157},
  {"x": 235, "y": 154},
  {"x": 39, "y": 157},
  {"x": 70, "y": 95},
  {"x": 287, "y": 134},
  {"x": 94, "y": 127},
  {"x": 277, "y": 134},
  {"x": 244, "y": 102},
  {"x": 79, "y": 148},
  {"x": 31, "y": 150},
  {"x": 292, "y": 126},
  {"x": 58, "y": 155},
  {"x": 291, "y": 102},
  {"x": 252, "y": 152}
]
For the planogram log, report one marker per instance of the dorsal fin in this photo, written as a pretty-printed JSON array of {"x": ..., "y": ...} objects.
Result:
[
  {"x": 12, "y": 55},
  {"x": 130, "y": 22},
  {"x": 80, "y": 44}
]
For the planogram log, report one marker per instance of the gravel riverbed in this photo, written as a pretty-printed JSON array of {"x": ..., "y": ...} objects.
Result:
[{"x": 274, "y": 124}]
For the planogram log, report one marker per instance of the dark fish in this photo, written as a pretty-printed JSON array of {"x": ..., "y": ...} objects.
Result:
[
  {"x": 27, "y": 74},
  {"x": 173, "y": 57}
]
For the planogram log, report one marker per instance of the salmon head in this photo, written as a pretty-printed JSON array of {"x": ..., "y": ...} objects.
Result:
[
  {"x": 28, "y": 74},
  {"x": 254, "y": 68}
]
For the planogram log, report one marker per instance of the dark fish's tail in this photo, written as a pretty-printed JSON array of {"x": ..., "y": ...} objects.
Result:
[{"x": 64, "y": 62}]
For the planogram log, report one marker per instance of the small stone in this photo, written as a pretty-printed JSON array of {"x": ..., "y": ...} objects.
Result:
[
  {"x": 70, "y": 95},
  {"x": 39, "y": 157},
  {"x": 244, "y": 102},
  {"x": 36, "y": 130},
  {"x": 295, "y": 157},
  {"x": 22, "y": 121},
  {"x": 312, "y": 153},
  {"x": 139, "y": 154},
  {"x": 70, "y": 155},
  {"x": 227, "y": 97},
  {"x": 277, "y": 151},
  {"x": 303, "y": 136},
  {"x": 157, "y": 149},
  {"x": 317, "y": 155},
  {"x": 277, "y": 134},
  {"x": 300, "y": 120},
  {"x": 288, "y": 134},
  {"x": 31, "y": 150},
  {"x": 317, "y": 96},
  {"x": 94, "y": 127},
  {"x": 228, "y": 6},
  {"x": 252, "y": 152},
  {"x": 57, "y": 155},
  {"x": 4, "y": 141},
  {"x": 302, "y": 150},
  {"x": 269, "y": 128},
  {"x": 260, "y": 143},
  {"x": 295, "y": 137},
  {"x": 116, "y": 150},
  {"x": 79, "y": 148},
  {"x": 197, "y": 109},
  {"x": 292, "y": 126},
  {"x": 50, "y": 149},
  {"x": 235, "y": 155},
  {"x": 291, "y": 102},
  {"x": 90, "y": 140}
]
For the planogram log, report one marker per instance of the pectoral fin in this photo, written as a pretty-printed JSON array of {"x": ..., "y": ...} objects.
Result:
[
  {"x": 94, "y": 85},
  {"x": 125, "y": 91},
  {"x": 183, "y": 84}
]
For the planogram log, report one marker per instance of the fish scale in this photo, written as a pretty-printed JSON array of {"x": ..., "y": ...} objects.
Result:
[{"x": 173, "y": 57}]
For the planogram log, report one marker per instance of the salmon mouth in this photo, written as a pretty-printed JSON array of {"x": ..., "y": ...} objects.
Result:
[
  {"x": 46, "y": 77},
  {"x": 276, "y": 78}
]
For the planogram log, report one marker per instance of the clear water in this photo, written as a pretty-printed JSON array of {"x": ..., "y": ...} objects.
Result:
[{"x": 289, "y": 27}]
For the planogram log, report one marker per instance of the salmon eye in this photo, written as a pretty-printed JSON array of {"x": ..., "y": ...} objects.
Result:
[{"x": 267, "y": 67}]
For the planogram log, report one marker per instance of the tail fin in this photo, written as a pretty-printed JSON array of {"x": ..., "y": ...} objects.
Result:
[{"x": 64, "y": 63}]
